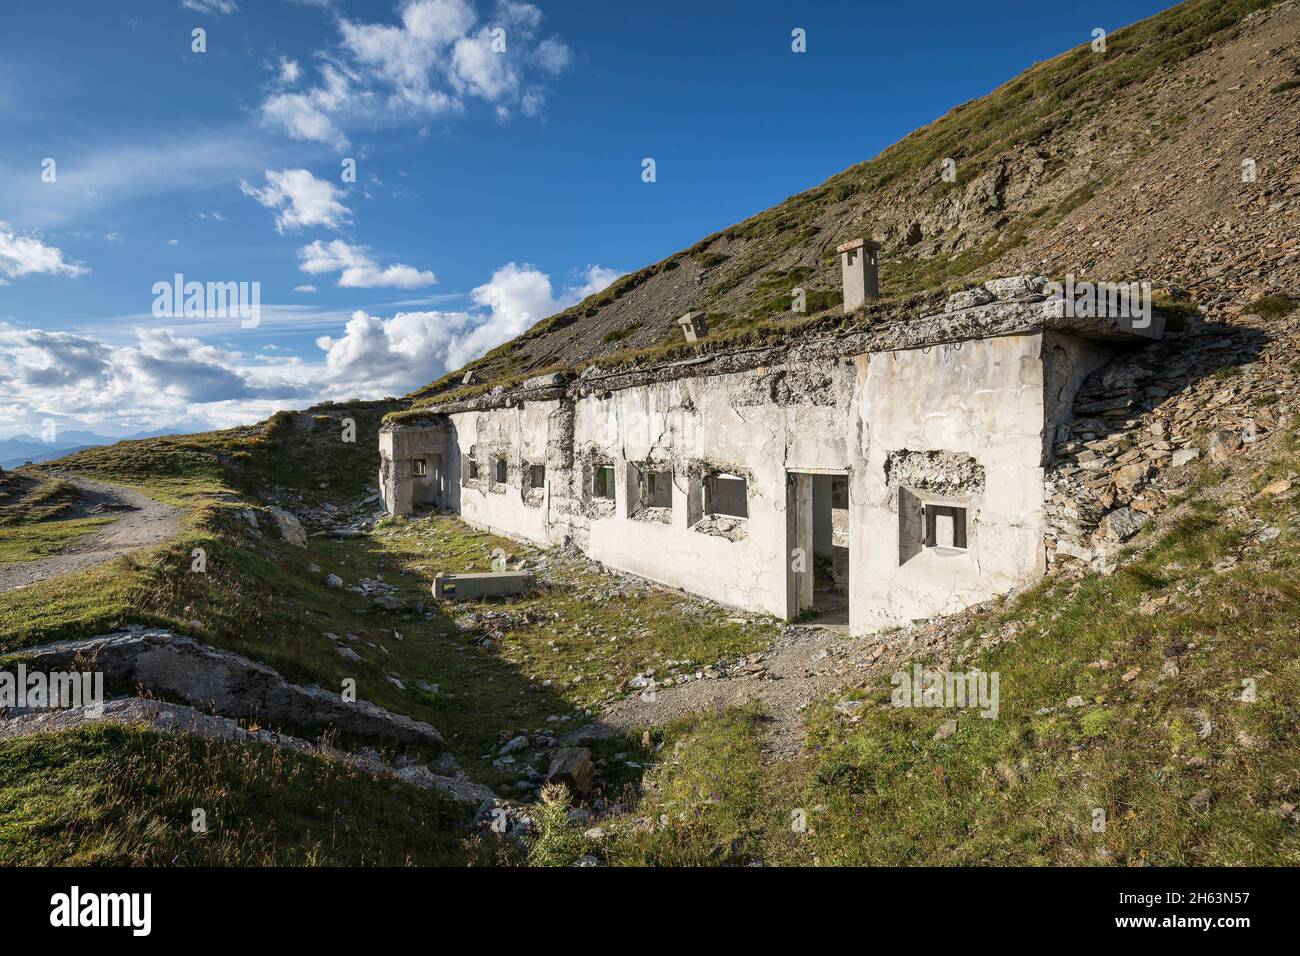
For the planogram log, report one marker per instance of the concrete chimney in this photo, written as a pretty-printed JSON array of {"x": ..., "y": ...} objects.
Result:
[
  {"x": 694, "y": 326},
  {"x": 860, "y": 269}
]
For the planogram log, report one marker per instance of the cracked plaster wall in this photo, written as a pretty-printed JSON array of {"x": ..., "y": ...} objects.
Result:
[{"x": 982, "y": 404}]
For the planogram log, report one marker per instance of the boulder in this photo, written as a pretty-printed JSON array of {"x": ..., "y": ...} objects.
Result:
[
  {"x": 1223, "y": 447},
  {"x": 572, "y": 767},
  {"x": 1121, "y": 524},
  {"x": 1015, "y": 287},
  {"x": 1131, "y": 476},
  {"x": 290, "y": 527},
  {"x": 213, "y": 679}
]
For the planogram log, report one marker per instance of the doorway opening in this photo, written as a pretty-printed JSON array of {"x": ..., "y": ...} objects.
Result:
[{"x": 818, "y": 533}]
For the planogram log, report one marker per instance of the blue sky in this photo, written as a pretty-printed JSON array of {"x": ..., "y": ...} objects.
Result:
[{"x": 492, "y": 186}]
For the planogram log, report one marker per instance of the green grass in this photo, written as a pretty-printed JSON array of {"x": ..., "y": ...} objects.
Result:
[
  {"x": 707, "y": 804},
  {"x": 35, "y": 517},
  {"x": 1274, "y": 306},
  {"x": 117, "y": 796},
  {"x": 259, "y": 597},
  {"x": 308, "y": 452},
  {"x": 22, "y": 543},
  {"x": 28, "y": 496}
]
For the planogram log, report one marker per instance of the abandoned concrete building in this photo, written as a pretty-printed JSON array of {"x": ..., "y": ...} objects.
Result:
[{"x": 875, "y": 477}]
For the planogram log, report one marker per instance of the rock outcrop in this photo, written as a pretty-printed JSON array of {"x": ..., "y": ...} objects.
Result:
[{"x": 227, "y": 683}]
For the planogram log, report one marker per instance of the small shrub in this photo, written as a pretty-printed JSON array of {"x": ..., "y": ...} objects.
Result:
[
  {"x": 558, "y": 842},
  {"x": 1274, "y": 306}
]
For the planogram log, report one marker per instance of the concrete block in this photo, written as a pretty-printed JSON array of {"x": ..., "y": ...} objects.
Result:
[
  {"x": 860, "y": 269},
  {"x": 469, "y": 587},
  {"x": 694, "y": 326}
]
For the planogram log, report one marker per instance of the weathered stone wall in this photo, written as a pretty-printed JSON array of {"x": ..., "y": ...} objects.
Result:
[{"x": 399, "y": 487}]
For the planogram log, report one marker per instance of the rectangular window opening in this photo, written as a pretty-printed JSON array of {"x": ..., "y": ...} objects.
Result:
[
  {"x": 537, "y": 477},
  {"x": 726, "y": 495},
  {"x": 419, "y": 468},
  {"x": 945, "y": 527},
  {"x": 657, "y": 489},
  {"x": 499, "y": 472},
  {"x": 602, "y": 482}
]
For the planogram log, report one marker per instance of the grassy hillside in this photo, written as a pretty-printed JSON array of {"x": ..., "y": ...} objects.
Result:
[
  {"x": 305, "y": 457},
  {"x": 1141, "y": 713},
  {"x": 37, "y": 517},
  {"x": 572, "y": 644}
]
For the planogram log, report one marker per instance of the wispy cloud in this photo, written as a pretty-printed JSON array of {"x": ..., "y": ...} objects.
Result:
[
  {"x": 220, "y": 7},
  {"x": 93, "y": 176}
]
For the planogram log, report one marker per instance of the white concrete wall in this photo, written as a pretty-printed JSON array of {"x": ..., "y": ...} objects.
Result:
[
  {"x": 520, "y": 435},
  {"x": 698, "y": 423},
  {"x": 984, "y": 400},
  {"x": 399, "y": 487}
]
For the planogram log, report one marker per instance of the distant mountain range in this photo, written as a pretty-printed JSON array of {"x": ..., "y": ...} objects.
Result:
[{"x": 21, "y": 449}]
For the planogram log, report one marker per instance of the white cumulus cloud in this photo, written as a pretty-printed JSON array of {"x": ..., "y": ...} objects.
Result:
[
  {"x": 357, "y": 270},
  {"x": 22, "y": 255},
  {"x": 169, "y": 379},
  {"x": 299, "y": 200},
  {"x": 439, "y": 55}
]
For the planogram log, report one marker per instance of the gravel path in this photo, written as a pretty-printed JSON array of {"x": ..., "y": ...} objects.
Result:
[{"x": 141, "y": 522}]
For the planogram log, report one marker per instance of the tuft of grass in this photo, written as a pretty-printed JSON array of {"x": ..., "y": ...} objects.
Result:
[
  {"x": 1274, "y": 306},
  {"x": 707, "y": 804}
]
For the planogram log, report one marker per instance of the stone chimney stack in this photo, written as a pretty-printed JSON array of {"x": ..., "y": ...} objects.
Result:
[
  {"x": 860, "y": 268},
  {"x": 694, "y": 326}
]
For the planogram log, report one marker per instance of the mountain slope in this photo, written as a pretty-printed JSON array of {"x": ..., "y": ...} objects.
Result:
[{"x": 1117, "y": 165}]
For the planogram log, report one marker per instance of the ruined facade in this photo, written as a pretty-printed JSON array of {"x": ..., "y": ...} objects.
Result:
[{"x": 876, "y": 477}]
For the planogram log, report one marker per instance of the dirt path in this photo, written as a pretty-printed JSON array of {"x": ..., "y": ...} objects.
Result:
[
  {"x": 808, "y": 663},
  {"x": 140, "y": 522}
]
